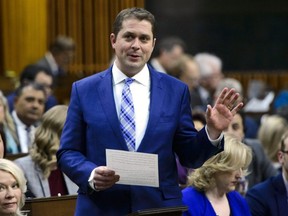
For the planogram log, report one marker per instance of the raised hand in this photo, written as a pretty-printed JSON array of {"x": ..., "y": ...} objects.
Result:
[{"x": 221, "y": 114}]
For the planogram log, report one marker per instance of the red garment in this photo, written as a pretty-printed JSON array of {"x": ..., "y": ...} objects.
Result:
[{"x": 57, "y": 184}]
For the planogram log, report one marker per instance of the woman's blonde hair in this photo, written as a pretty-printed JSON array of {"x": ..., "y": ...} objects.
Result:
[
  {"x": 47, "y": 138},
  {"x": 270, "y": 132},
  {"x": 235, "y": 156},
  {"x": 8, "y": 121},
  {"x": 10, "y": 167}
]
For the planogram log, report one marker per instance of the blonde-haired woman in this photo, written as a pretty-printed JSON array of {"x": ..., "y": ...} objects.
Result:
[
  {"x": 211, "y": 188},
  {"x": 270, "y": 133},
  {"x": 9, "y": 130},
  {"x": 12, "y": 188},
  {"x": 44, "y": 179}
]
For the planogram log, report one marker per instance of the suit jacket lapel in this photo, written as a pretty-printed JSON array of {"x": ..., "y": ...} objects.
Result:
[
  {"x": 105, "y": 93},
  {"x": 280, "y": 194},
  {"x": 157, "y": 95}
]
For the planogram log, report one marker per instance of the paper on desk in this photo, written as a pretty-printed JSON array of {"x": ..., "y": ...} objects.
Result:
[{"x": 134, "y": 168}]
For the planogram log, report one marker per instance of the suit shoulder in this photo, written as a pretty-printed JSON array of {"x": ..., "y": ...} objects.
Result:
[
  {"x": 24, "y": 161},
  {"x": 92, "y": 78}
]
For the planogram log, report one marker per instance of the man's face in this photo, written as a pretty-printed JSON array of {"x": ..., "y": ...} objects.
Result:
[
  {"x": 170, "y": 58},
  {"x": 236, "y": 127},
  {"x": 283, "y": 158},
  {"x": 46, "y": 81},
  {"x": 29, "y": 106},
  {"x": 133, "y": 45}
]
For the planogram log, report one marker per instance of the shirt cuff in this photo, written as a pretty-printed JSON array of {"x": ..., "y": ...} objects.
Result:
[
  {"x": 217, "y": 141},
  {"x": 90, "y": 180}
]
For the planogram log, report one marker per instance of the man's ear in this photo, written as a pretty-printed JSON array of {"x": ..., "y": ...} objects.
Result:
[{"x": 112, "y": 40}]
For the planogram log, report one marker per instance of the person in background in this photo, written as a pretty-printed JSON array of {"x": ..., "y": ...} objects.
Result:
[
  {"x": 2, "y": 145},
  {"x": 9, "y": 135},
  {"x": 167, "y": 53},
  {"x": 251, "y": 125},
  {"x": 211, "y": 188},
  {"x": 163, "y": 125},
  {"x": 40, "y": 75},
  {"x": 271, "y": 129},
  {"x": 261, "y": 167},
  {"x": 269, "y": 198},
  {"x": 60, "y": 54},
  {"x": 44, "y": 179},
  {"x": 28, "y": 110},
  {"x": 187, "y": 70},
  {"x": 211, "y": 74},
  {"x": 12, "y": 189}
]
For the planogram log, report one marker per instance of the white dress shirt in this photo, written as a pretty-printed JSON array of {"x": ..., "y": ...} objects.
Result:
[
  {"x": 140, "y": 90},
  {"x": 22, "y": 133}
]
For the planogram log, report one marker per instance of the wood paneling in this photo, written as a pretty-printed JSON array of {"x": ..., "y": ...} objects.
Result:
[
  {"x": 29, "y": 26},
  {"x": 89, "y": 23},
  {"x": 23, "y": 28}
]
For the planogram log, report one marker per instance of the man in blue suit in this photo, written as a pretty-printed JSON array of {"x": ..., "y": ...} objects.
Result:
[
  {"x": 163, "y": 122},
  {"x": 269, "y": 198}
]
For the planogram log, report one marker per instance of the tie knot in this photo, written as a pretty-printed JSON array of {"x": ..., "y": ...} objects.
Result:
[{"x": 128, "y": 81}]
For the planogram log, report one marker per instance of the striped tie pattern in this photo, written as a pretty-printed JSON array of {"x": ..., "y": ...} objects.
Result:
[{"x": 127, "y": 116}]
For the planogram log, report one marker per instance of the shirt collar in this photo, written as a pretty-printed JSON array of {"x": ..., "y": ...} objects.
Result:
[
  {"x": 143, "y": 77},
  {"x": 53, "y": 64},
  {"x": 17, "y": 120}
]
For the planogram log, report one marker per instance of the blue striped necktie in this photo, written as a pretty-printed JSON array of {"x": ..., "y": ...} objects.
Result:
[{"x": 127, "y": 115}]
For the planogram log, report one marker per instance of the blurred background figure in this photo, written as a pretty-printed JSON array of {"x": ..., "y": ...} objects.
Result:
[
  {"x": 60, "y": 54},
  {"x": 260, "y": 97},
  {"x": 261, "y": 167},
  {"x": 12, "y": 189},
  {"x": 187, "y": 70},
  {"x": 210, "y": 75},
  {"x": 166, "y": 53},
  {"x": 270, "y": 132},
  {"x": 28, "y": 110},
  {"x": 211, "y": 188},
  {"x": 251, "y": 125},
  {"x": 40, "y": 166},
  {"x": 8, "y": 129},
  {"x": 40, "y": 75},
  {"x": 2, "y": 145},
  {"x": 269, "y": 198}
]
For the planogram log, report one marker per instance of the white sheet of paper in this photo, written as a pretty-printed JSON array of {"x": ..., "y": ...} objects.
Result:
[{"x": 134, "y": 168}]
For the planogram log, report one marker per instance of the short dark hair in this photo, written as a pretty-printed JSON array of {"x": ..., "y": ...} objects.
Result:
[
  {"x": 168, "y": 43},
  {"x": 62, "y": 43},
  {"x": 30, "y": 72},
  {"x": 138, "y": 13},
  {"x": 34, "y": 85}
]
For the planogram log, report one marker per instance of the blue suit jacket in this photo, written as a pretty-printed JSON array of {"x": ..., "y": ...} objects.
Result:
[
  {"x": 92, "y": 126},
  {"x": 268, "y": 198},
  {"x": 199, "y": 205}
]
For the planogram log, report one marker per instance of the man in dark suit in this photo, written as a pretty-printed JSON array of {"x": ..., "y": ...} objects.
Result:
[
  {"x": 42, "y": 76},
  {"x": 163, "y": 123},
  {"x": 269, "y": 198},
  {"x": 59, "y": 56}
]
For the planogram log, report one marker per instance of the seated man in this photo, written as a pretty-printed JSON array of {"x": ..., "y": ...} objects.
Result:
[
  {"x": 269, "y": 198},
  {"x": 40, "y": 75}
]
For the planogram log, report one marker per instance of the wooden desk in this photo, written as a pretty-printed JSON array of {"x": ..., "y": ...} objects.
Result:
[
  {"x": 169, "y": 211},
  {"x": 56, "y": 206}
]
